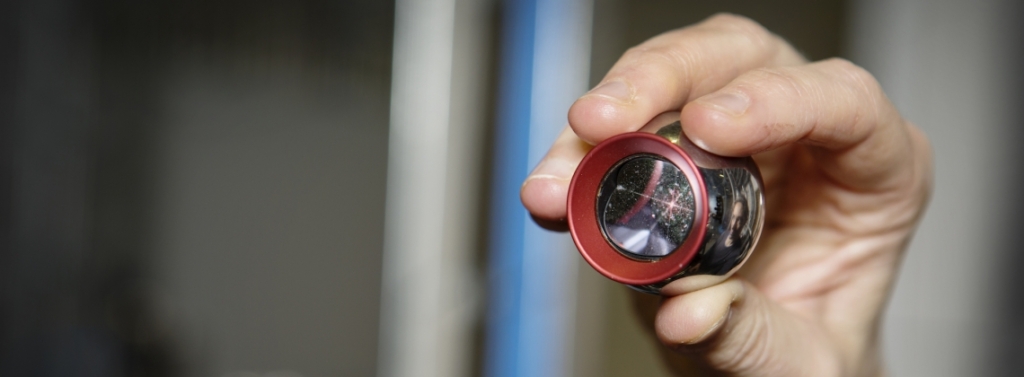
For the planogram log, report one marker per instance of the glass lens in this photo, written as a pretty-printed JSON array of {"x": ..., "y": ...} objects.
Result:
[{"x": 645, "y": 206}]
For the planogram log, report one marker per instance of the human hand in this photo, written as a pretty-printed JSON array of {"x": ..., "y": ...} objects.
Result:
[{"x": 846, "y": 182}]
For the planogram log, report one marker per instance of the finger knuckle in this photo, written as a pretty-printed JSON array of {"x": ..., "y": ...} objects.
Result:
[
  {"x": 741, "y": 25},
  {"x": 658, "y": 62},
  {"x": 774, "y": 80},
  {"x": 638, "y": 55},
  {"x": 865, "y": 90},
  {"x": 645, "y": 53},
  {"x": 735, "y": 21},
  {"x": 857, "y": 77}
]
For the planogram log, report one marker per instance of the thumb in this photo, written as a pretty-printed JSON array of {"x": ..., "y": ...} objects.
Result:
[{"x": 734, "y": 329}]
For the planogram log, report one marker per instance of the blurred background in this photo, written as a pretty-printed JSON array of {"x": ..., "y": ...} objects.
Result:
[{"x": 330, "y": 188}]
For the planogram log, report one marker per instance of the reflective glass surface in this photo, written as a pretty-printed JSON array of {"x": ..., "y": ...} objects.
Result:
[{"x": 645, "y": 207}]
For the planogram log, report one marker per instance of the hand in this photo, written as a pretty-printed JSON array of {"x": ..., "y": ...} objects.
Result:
[{"x": 846, "y": 182}]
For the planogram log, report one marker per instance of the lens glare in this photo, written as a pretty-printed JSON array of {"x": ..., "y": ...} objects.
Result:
[{"x": 645, "y": 207}]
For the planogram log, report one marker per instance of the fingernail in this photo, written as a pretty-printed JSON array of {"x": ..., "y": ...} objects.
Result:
[
  {"x": 553, "y": 169},
  {"x": 732, "y": 103},
  {"x": 617, "y": 90}
]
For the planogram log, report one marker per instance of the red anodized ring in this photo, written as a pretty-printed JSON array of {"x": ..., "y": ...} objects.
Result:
[{"x": 582, "y": 210}]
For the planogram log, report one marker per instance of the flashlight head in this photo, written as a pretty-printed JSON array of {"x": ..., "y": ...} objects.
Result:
[{"x": 649, "y": 208}]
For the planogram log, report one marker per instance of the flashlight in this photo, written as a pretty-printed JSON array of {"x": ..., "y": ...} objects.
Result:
[{"x": 648, "y": 208}]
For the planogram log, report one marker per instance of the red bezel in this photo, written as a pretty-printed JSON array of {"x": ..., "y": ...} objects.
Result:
[{"x": 582, "y": 210}]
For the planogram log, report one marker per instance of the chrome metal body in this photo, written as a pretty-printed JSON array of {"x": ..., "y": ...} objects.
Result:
[{"x": 735, "y": 207}]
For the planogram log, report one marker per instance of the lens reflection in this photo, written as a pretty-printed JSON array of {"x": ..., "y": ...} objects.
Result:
[{"x": 645, "y": 206}]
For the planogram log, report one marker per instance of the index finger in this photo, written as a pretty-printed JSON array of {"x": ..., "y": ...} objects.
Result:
[
  {"x": 659, "y": 75},
  {"x": 665, "y": 72}
]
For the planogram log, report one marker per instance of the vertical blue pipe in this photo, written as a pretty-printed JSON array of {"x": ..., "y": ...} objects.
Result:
[
  {"x": 532, "y": 270},
  {"x": 512, "y": 139}
]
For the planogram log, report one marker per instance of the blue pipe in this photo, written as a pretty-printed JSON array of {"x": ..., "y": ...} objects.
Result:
[{"x": 531, "y": 289}]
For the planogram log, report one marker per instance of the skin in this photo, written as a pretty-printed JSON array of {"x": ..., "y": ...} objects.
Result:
[{"x": 847, "y": 180}]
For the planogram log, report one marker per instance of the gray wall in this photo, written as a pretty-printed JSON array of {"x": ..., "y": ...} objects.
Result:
[
  {"x": 948, "y": 66},
  {"x": 195, "y": 188}
]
